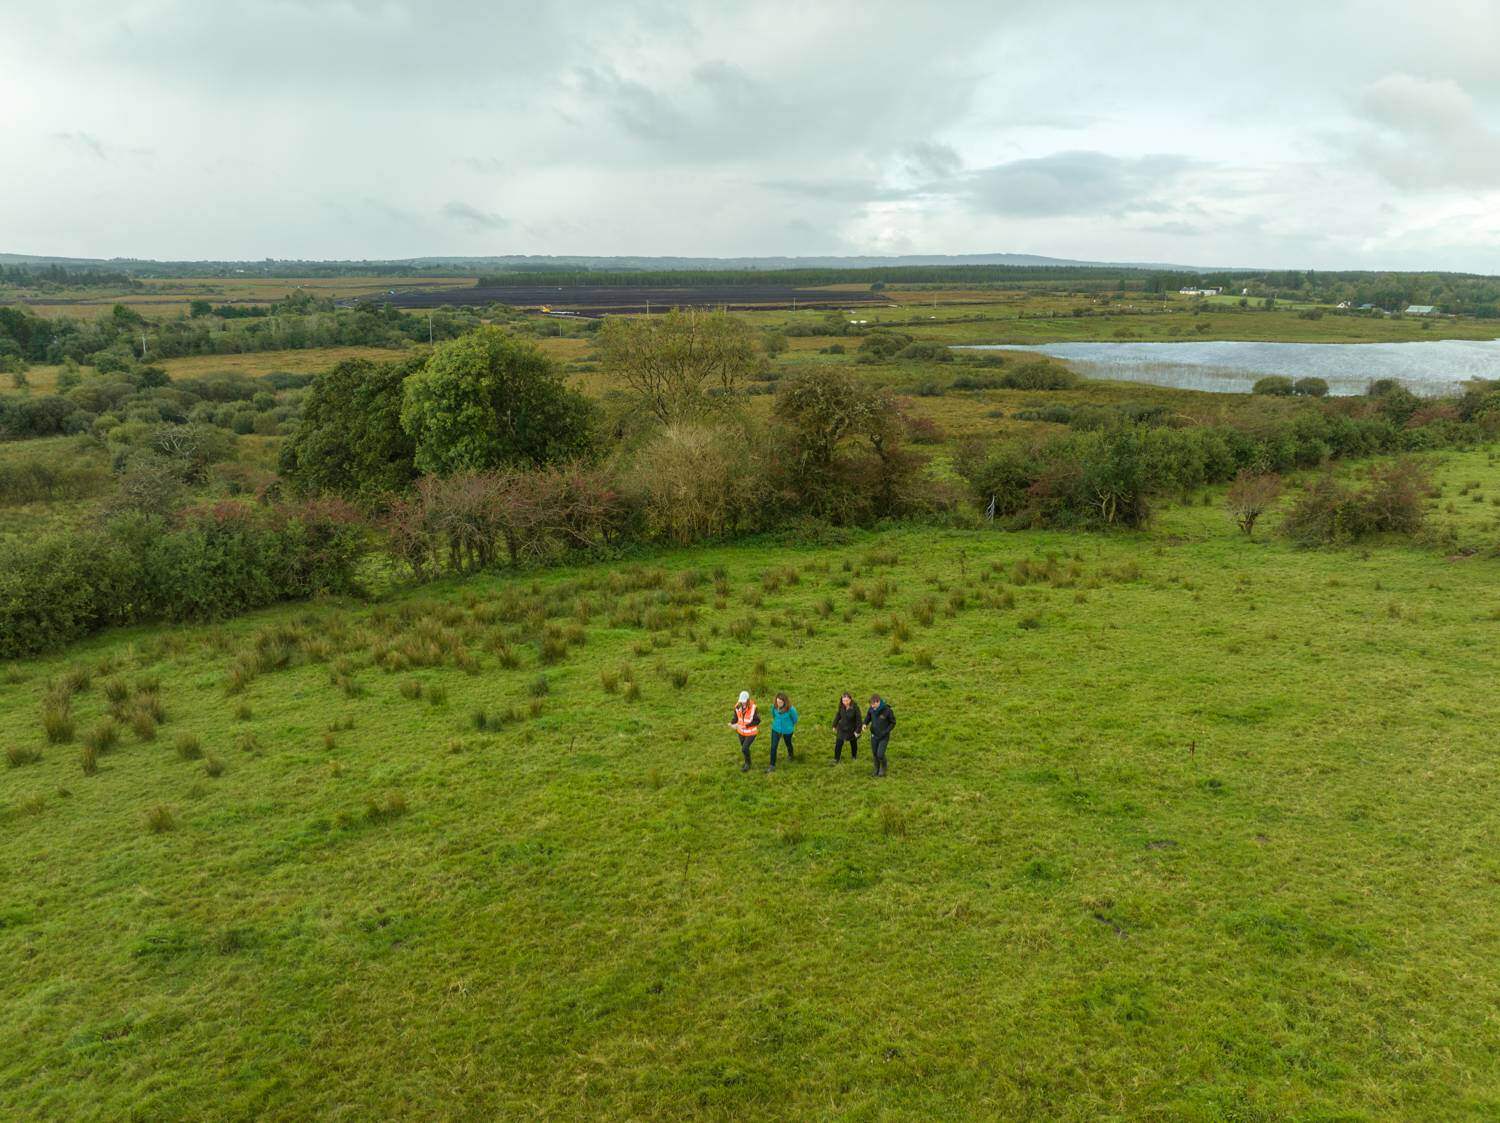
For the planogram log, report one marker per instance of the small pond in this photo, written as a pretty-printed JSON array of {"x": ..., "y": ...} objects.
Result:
[{"x": 1428, "y": 367}]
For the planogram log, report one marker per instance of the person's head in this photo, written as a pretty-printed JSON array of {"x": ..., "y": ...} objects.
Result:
[
  {"x": 744, "y": 696},
  {"x": 782, "y": 701},
  {"x": 846, "y": 700},
  {"x": 875, "y": 699}
]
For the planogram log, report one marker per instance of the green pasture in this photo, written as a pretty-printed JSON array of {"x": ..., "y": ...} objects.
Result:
[{"x": 1178, "y": 826}]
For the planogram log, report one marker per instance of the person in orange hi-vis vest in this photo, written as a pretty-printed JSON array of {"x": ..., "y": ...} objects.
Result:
[{"x": 746, "y": 723}]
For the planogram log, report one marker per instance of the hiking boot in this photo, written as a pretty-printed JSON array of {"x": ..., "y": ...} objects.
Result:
[
  {"x": 745, "y": 767},
  {"x": 771, "y": 769}
]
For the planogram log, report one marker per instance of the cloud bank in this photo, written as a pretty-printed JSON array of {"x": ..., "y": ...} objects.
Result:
[{"x": 397, "y": 128}]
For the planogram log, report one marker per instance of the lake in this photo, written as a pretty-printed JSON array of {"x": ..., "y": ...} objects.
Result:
[{"x": 1428, "y": 367}]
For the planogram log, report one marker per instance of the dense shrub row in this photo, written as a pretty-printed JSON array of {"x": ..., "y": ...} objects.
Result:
[
  {"x": 208, "y": 563},
  {"x": 297, "y": 322},
  {"x": 34, "y": 481},
  {"x": 1107, "y": 477},
  {"x": 114, "y": 405}
]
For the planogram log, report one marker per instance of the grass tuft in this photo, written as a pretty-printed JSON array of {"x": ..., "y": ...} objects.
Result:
[
  {"x": 18, "y": 755},
  {"x": 160, "y": 819}
]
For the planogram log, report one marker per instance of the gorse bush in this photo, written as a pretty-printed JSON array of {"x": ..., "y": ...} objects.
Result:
[{"x": 1329, "y": 512}]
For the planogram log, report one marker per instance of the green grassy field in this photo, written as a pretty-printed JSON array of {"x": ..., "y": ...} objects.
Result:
[{"x": 1177, "y": 826}]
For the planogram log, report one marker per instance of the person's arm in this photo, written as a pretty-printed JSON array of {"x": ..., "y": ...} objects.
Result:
[
  {"x": 890, "y": 715},
  {"x": 793, "y": 711}
]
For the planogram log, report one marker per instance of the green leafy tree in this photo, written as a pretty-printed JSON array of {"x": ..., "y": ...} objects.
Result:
[
  {"x": 488, "y": 400},
  {"x": 350, "y": 440},
  {"x": 672, "y": 363}
]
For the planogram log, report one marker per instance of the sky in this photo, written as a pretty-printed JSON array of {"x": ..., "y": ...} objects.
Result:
[{"x": 1359, "y": 135}]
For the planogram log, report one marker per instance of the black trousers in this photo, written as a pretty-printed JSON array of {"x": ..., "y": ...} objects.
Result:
[
  {"x": 745, "y": 742},
  {"x": 776, "y": 739},
  {"x": 838, "y": 747},
  {"x": 877, "y": 746}
]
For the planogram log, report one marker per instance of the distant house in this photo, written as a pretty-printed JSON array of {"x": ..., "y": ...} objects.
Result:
[
  {"x": 1343, "y": 304},
  {"x": 1420, "y": 309},
  {"x": 1199, "y": 292}
]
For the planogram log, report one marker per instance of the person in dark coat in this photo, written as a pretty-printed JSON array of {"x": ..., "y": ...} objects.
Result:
[
  {"x": 846, "y": 727},
  {"x": 880, "y": 720}
]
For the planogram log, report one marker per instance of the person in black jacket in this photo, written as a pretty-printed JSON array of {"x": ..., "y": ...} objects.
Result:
[
  {"x": 879, "y": 721},
  {"x": 846, "y": 727}
]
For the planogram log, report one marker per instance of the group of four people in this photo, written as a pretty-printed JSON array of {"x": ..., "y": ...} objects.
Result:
[{"x": 848, "y": 726}]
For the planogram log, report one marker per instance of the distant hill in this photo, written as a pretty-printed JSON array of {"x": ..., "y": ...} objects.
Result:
[{"x": 552, "y": 263}]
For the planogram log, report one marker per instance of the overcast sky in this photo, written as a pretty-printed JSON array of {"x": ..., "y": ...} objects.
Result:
[{"x": 1313, "y": 134}]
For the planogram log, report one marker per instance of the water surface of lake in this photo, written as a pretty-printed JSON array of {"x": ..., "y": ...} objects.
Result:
[{"x": 1439, "y": 366}]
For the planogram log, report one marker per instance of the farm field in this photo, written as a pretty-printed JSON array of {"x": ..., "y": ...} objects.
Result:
[
  {"x": 42, "y": 378},
  {"x": 1178, "y": 825},
  {"x": 599, "y": 300},
  {"x": 166, "y": 298}
]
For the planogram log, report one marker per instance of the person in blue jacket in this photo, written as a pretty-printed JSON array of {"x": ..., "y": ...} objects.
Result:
[{"x": 783, "y": 725}]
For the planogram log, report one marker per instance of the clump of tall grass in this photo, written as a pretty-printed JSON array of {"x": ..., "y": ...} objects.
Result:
[
  {"x": 892, "y": 821},
  {"x": 411, "y": 689},
  {"x": 19, "y": 755},
  {"x": 143, "y": 725},
  {"x": 392, "y": 806},
  {"x": 57, "y": 719},
  {"x": 103, "y": 737},
  {"x": 610, "y": 680},
  {"x": 188, "y": 746},
  {"x": 160, "y": 819},
  {"x": 437, "y": 695},
  {"x": 88, "y": 757},
  {"x": 75, "y": 680},
  {"x": 212, "y": 766},
  {"x": 539, "y": 687},
  {"x": 922, "y": 658},
  {"x": 116, "y": 691},
  {"x": 632, "y": 691}
]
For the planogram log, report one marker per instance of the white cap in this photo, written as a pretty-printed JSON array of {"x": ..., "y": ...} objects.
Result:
[{"x": 744, "y": 696}]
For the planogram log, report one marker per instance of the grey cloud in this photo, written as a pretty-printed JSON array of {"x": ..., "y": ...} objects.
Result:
[
  {"x": 91, "y": 145},
  {"x": 1427, "y": 134},
  {"x": 473, "y": 218},
  {"x": 1072, "y": 183},
  {"x": 84, "y": 142},
  {"x": 1174, "y": 227},
  {"x": 634, "y": 106},
  {"x": 484, "y": 165},
  {"x": 853, "y": 190},
  {"x": 930, "y": 160}
]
